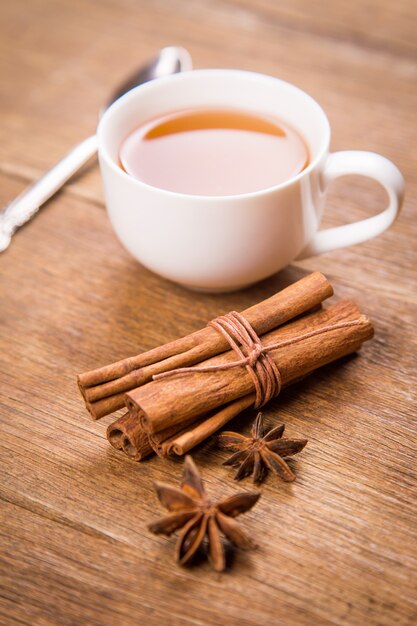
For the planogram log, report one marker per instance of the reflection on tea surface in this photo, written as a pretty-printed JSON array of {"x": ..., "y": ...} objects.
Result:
[{"x": 214, "y": 152}]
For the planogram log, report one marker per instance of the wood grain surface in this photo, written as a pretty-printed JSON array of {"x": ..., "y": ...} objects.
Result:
[{"x": 338, "y": 546}]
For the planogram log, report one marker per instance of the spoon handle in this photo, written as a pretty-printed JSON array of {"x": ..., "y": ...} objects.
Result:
[{"x": 28, "y": 203}]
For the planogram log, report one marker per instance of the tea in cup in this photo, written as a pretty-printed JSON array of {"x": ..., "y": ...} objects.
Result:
[{"x": 214, "y": 152}]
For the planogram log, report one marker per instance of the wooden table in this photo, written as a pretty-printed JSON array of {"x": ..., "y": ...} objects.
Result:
[{"x": 339, "y": 545}]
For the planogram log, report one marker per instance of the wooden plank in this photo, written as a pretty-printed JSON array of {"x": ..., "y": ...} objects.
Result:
[
  {"x": 57, "y": 574},
  {"x": 344, "y": 80},
  {"x": 371, "y": 24},
  {"x": 324, "y": 540},
  {"x": 67, "y": 75},
  {"x": 339, "y": 545}
]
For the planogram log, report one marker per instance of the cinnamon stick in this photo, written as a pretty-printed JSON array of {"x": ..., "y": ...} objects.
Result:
[
  {"x": 168, "y": 402},
  {"x": 127, "y": 434},
  {"x": 103, "y": 389},
  {"x": 163, "y": 446},
  {"x": 159, "y": 440},
  {"x": 182, "y": 443}
]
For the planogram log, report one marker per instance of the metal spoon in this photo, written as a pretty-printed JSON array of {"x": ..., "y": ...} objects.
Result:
[{"x": 169, "y": 61}]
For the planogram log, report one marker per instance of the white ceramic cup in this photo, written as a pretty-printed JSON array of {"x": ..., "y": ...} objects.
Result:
[{"x": 221, "y": 243}]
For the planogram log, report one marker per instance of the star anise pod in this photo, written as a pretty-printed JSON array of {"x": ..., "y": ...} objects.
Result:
[
  {"x": 261, "y": 451},
  {"x": 198, "y": 518}
]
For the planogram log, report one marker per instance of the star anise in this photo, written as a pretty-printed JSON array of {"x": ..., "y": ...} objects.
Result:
[
  {"x": 261, "y": 451},
  {"x": 198, "y": 518}
]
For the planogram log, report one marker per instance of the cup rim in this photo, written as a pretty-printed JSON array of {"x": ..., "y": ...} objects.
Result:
[{"x": 132, "y": 94}]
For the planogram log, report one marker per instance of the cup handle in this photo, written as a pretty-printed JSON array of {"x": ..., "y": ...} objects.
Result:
[{"x": 372, "y": 166}]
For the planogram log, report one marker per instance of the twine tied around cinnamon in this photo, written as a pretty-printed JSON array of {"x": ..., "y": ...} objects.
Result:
[{"x": 252, "y": 354}]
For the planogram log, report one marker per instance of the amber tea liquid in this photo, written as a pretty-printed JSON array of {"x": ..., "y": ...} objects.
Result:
[{"x": 214, "y": 152}]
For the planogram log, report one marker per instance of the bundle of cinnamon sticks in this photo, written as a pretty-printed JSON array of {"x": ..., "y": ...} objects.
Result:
[{"x": 173, "y": 414}]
